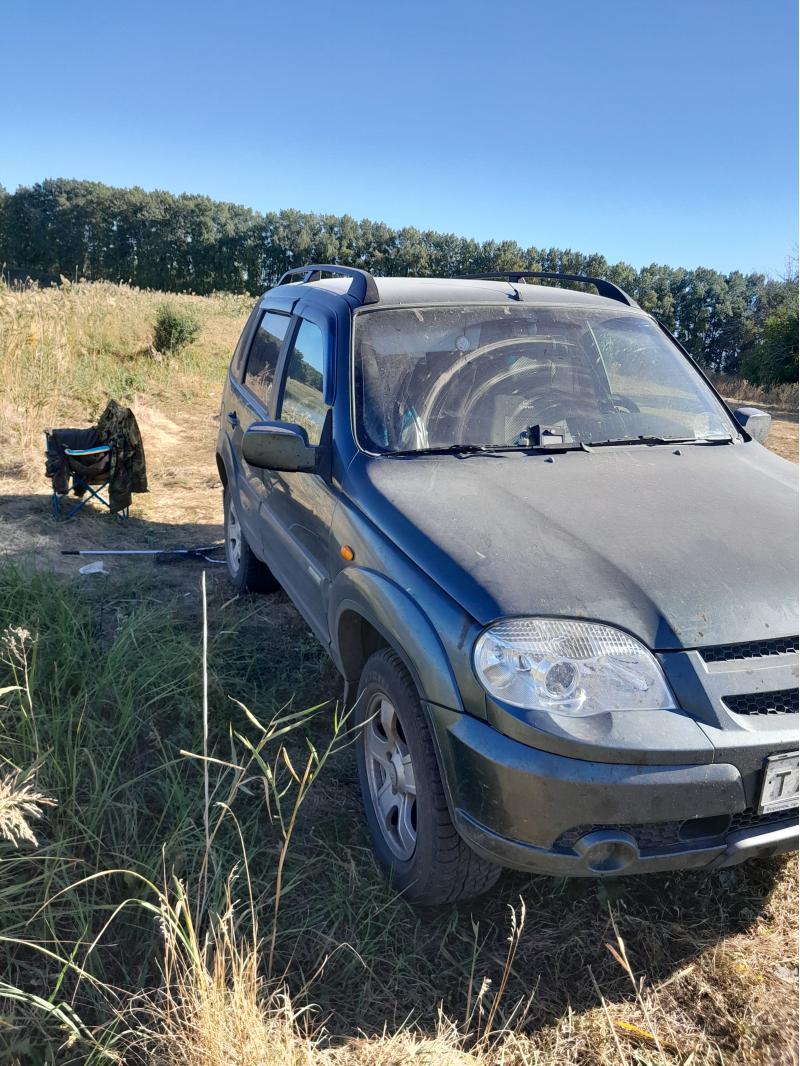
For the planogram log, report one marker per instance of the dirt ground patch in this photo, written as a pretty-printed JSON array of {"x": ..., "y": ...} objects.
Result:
[
  {"x": 783, "y": 435},
  {"x": 181, "y": 509}
]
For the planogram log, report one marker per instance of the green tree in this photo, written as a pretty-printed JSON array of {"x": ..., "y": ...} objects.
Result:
[
  {"x": 773, "y": 358},
  {"x": 182, "y": 243}
]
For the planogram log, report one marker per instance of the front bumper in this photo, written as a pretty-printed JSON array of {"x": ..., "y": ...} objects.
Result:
[
  {"x": 613, "y": 852},
  {"x": 546, "y": 813}
]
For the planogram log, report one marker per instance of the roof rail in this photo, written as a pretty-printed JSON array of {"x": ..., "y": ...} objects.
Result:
[
  {"x": 363, "y": 287},
  {"x": 604, "y": 288}
]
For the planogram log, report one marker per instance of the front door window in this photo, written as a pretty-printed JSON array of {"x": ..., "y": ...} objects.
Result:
[{"x": 303, "y": 401}]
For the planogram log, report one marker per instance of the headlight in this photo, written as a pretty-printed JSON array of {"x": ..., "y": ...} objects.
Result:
[{"x": 573, "y": 668}]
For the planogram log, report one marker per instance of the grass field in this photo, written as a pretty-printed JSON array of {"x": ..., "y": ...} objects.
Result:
[{"x": 205, "y": 897}]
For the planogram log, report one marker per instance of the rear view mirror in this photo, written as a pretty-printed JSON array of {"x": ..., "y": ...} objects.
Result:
[
  {"x": 755, "y": 423},
  {"x": 281, "y": 446}
]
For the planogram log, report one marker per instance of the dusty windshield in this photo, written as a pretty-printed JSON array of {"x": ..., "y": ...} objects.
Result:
[{"x": 438, "y": 377}]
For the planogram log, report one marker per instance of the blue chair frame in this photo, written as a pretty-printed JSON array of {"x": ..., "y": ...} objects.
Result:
[{"x": 80, "y": 482}]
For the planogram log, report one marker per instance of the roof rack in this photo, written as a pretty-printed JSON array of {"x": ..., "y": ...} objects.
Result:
[
  {"x": 363, "y": 287},
  {"x": 604, "y": 288}
]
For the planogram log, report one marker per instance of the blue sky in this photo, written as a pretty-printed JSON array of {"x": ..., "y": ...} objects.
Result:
[{"x": 649, "y": 132}]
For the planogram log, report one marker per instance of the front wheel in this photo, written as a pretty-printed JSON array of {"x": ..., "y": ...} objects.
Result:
[
  {"x": 247, "y": 573},
  {"x": 407, "y": 815}
]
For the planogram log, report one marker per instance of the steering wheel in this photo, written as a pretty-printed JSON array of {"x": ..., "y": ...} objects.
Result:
[
  {"x": 557, "y": 404},
  {"x": 557, "y": 400},
  {"x": 625, "y": 403}
]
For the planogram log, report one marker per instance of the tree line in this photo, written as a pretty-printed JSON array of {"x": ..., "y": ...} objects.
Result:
[{"x": 733, "y": 323}]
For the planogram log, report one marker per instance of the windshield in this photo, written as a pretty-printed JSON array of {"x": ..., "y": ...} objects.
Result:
[{"x": 515, "y": 376}]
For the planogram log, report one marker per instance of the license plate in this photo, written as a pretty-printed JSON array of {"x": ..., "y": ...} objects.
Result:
[{"x": 781, "y": 783}]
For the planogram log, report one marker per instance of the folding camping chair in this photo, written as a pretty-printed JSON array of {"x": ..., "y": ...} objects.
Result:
[{"x": 90, "y": 469}]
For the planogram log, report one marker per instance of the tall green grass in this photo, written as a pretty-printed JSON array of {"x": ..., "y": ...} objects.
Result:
[
  {"x": 103, "y": 697},
  {"x": 151, "y": 925}
]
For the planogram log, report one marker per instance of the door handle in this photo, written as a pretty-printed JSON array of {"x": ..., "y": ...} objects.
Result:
[{"x": 233, "y": 418}]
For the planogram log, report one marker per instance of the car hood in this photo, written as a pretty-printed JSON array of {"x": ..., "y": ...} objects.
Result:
[{"x": 683, "y": 547}]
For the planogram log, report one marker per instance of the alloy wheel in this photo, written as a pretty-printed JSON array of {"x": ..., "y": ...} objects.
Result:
[
  {"x": 233, "y": 540},
  {"x": 390, "y": 775}
]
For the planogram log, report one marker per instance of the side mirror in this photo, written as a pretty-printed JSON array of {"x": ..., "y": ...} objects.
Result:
[
  {"x": 755, "y": 423},
  {"x": 281, "y": 446}
]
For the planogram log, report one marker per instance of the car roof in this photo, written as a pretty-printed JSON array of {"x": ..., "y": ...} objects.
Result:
[{"x": 419, "y": 291}]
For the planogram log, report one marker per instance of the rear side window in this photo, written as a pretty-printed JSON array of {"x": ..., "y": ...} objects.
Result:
[
  {"x": 237, "y": 362},
  {"x": 262, "y": 359},
  {"x": 303, "y": 401}
]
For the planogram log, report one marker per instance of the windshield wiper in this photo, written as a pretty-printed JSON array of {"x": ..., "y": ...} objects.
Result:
[
  {"x": 555, "y": 446},
  {"x": 473, "y": 449},
  {"x": 453, "y": 449},
  {"x": 611, "y": 443}
]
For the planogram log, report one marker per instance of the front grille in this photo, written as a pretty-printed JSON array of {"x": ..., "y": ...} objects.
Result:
[
  {"x": 754, "y": 649},
  {"x": 663, "y": 836},
  {"x": 649, "y": 836},
  {"x": 783, "y": 702},
  {"x": 749, "y": 818}
]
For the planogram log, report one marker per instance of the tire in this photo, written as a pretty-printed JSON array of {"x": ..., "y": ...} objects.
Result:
[
  {"x": 412, "y": 833},
  {"x": 246, "y": 572}
]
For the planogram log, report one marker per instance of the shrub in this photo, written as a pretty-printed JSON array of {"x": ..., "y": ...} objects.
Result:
[{"x": 174, "y": 329}]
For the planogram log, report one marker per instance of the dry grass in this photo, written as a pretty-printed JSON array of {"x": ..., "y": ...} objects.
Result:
[
  {"x": 779, "y": 397},
  {"x": 215, "y": 1006},
  {"x": 690, "y": 969},
  {"x": 780, "y": 401},
  {"x": 63, "y": 349},
  {"x": 20, "y": 803}
]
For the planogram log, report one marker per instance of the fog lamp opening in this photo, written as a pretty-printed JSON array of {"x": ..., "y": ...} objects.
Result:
[{"x": 604, "y": 853}]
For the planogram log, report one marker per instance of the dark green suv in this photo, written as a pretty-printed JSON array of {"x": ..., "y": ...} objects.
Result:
[{"x": 558, "y": 575}]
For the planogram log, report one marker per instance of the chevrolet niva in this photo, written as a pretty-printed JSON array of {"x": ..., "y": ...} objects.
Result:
[{"x": 558, "y": 575}]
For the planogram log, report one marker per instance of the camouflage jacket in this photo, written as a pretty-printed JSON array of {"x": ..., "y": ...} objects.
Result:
[{"x": 117, "y": 426}]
